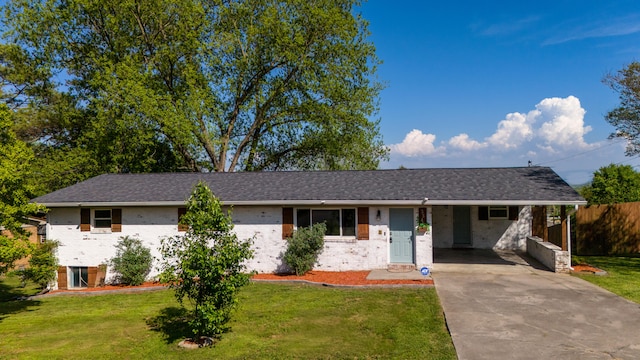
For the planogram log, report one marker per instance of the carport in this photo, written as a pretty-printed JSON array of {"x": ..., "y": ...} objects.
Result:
[{"x": 488, "y": 261}]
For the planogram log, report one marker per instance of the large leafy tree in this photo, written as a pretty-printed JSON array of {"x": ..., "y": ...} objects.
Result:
[
  {"x": 613, "y": 184},
  {"x": 15, "y": 162},
  {"x": 199, "y": 85},
  {"x": 626, "y": 117},
  {"x": 71, "y": 144}
]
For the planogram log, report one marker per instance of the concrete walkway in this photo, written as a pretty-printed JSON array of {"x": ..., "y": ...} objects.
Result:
[{"x": 512, "y": 309}]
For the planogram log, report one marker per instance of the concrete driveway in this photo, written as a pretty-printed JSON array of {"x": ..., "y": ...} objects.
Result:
[{"x": 506, "y": 306}]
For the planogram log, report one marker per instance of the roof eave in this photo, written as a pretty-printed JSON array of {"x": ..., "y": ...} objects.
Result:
[{"x": 421, "y": 202}]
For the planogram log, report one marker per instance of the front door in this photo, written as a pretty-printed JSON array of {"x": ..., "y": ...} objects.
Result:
[
  {"x": 401, "y": 235},
  {"x": 461, "y": 226}
]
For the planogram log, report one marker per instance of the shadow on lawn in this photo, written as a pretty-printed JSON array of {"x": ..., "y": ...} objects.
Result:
[
  {"x": 172, "y": 323},
  {"x": 10, "y": 302}
]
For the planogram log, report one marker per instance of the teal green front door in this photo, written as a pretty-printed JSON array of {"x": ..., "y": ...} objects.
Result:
[{"x": 401, "y": 235}]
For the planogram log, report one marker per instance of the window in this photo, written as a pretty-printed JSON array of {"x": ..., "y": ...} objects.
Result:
[
  {"x": 498, "y": 212},
  {"x": 42, "y": 233},
  {"x": 181, "y": 212},
  {"x": 102, "y": 219},
  {"x": 78, "y": 276},
  {"x": 340, "y": 222}
]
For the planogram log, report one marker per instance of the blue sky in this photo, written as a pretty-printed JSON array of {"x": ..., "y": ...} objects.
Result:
[{"x": 476, "y": 84}]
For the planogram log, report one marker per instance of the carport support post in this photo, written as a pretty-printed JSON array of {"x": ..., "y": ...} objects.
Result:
[{"x": 563, "y": 217}]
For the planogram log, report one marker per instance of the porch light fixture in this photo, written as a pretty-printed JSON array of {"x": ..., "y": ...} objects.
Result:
[{"x": 378, "y": 216}]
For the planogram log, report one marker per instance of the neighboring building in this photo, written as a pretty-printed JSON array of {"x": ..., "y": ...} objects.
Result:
[
  {"x": 371, "y": 216},
  {"x": 35, "y": 226}
]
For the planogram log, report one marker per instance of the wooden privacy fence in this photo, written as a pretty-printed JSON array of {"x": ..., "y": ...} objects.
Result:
[
  {"x": 555, "y": 233},
  {"x": 608, "y": 229}
]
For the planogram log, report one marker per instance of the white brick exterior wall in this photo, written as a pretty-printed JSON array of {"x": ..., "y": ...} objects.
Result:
[
  {"x": 485, "y": 234},
  {"x": 264, "y": 224},
  {"x": 84, "y": 248}
]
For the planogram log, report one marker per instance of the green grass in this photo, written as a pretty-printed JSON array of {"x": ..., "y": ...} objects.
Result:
[
  {"x": 273, "y": 321},
  {"x": 623, "y": 274},
  {"x": 11, "y": 288}
]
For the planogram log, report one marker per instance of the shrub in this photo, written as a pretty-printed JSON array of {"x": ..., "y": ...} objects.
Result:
[
  {"x": 43, "y": 264},
  {"x": 304, "y": 247},
  {"x": 132, "y": 262},
  {"x": 207, "y": 264}
]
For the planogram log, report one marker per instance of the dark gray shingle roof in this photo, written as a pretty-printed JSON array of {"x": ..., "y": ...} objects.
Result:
[{"x": 533, "y": 184}]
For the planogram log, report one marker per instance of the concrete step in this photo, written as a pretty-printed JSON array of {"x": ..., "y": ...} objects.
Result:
[{"x": 401, "y": 267}]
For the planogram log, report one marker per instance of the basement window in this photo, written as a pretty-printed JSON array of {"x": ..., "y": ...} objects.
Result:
[{"x": 78, "y": 276}]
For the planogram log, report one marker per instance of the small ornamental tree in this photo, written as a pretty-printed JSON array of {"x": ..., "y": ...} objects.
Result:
[
  {"x": 304, "y": 247},
  {"x": 132, "y": 262},
  {"x": 42, "y": 264},
  {"x": 207, "y": 264}
]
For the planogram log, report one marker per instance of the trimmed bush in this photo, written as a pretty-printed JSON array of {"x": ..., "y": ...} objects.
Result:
[
  {"x": 132, "y": 262},
  {"x": 304, "y": 247}
]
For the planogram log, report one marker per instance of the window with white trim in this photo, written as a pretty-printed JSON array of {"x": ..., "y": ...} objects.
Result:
[
  {"x": 339, "y": 222},
  {"x": 498, "y": 212}
]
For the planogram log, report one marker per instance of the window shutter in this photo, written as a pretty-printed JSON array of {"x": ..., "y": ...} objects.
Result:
[
  {"x": 363, "y": 223},
  {"x": 62, "y": 277},
  {"x": 513, "y": 213},
  {"x": 85, "y": 220},
  {"x": 483, "y": 213},
  {"x": 116, "y": 220},
  {"x": 181, "y": 212},
  {"x": 287, "y": 223},
  {"x": 92, "y": 272}
]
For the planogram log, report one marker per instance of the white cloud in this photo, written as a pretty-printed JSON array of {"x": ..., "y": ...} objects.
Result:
[
  {"x": 508, "y": 27},
  {"x": 416, "y": 143},
  {"x": 463, "y": 142},
  {"x": 552, "y": 133},
  {"x": 563, "y": 124},
  {"x": 555, "y": 124},
  {"x": 514, "y": 130},
  {"x": 598, "y": 29}
]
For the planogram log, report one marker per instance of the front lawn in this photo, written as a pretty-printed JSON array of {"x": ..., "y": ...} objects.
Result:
[
  {"x": 273, "y": 321},
  {"x": 623, "y": 274},
  {"x": 11, "y": 288}
]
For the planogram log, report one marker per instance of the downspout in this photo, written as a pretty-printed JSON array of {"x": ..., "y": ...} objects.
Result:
[{"x": 575, "y": 209}]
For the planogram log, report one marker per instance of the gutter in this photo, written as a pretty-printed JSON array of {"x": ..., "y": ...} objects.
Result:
[{"x": 421, "y": 202}]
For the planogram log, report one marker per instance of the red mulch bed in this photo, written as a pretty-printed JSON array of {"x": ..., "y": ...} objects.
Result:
[
  {"x": 585, "y": 268},
  {"x": 351, "y": 278},
  {"x": 339, "y": 278}
]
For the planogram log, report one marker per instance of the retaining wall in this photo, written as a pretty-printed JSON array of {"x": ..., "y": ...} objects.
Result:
[{"x": 549, "y": 255}]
